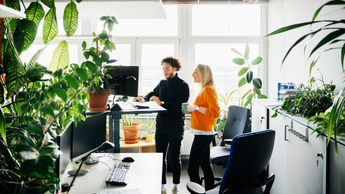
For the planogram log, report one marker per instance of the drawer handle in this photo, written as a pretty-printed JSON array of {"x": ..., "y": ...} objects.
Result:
[{"x": 285, "y": 127}]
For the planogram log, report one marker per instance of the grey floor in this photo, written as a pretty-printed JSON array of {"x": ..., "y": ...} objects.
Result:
[{"x": 217, "y": 170}]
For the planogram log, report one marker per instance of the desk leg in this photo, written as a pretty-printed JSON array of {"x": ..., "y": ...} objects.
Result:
[
  {"x": 111, "y": 132},
  {"x": 116, "y": 132}
]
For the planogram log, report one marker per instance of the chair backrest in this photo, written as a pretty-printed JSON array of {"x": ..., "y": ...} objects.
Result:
[
  {"x": 248, "y": 160},
  {"x": 236, "y": 122}
]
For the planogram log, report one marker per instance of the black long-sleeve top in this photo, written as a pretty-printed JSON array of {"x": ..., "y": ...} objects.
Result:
[{"x": 173, "y": 92}]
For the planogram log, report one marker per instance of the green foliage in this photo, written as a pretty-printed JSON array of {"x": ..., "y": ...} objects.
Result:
[
  {"x": 97, "y": 58},
  {"x": 331, "y": 122},
  {"x": 331, "y": 31},
  {"x": 149, "y": 124},
  {"x": 247, "y": 75},
  {"x": 127, "y": 120},
  {"x": 308, "y": 101}
]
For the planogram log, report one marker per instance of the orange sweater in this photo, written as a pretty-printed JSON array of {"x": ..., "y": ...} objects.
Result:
[{"x": 207, "y": 99}]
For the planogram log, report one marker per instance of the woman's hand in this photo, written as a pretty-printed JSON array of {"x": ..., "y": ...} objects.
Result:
[{"x": 191, "y": 108}]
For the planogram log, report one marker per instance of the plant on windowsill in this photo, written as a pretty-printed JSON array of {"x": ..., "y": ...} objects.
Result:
[
  {"x": 97, "y": 65},
  {"x": 130, "y": 129},
  {"x": 149, "y": 125}
]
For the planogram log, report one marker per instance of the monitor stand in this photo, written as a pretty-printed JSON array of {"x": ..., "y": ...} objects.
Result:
[{"x": 91, "y": 160}]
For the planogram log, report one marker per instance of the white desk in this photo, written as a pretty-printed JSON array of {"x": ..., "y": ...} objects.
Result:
[{"x": 146, "y": 175}]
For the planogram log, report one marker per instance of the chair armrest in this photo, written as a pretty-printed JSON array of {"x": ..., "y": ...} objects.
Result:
[
  {"x": 195, "y": 188},
  {"x": 228, "y": 141}
]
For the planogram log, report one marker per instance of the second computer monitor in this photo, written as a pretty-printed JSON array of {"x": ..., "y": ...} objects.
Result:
[
  {"x": 88, "y": 135},
  {"x": 125, "y": 81}
]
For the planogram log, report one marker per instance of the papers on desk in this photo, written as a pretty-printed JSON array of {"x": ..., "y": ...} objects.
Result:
[
  {"x": 132, "y": 191},
  {"x": 132, "y": 105}
]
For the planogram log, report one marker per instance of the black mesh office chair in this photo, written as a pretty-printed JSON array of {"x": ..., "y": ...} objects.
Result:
[
  {"x": 236, "y": 124},
  {"x": 246, "y": 170}
]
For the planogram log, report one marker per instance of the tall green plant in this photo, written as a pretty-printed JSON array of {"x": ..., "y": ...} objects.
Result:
[
  {"x": 332, "y": 30},
  {"x": 19, "y": 34},
  {"x": 246, "y": 74}
]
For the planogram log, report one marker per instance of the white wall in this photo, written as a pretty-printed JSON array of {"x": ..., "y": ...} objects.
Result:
[{"x": 295, "y": 69}]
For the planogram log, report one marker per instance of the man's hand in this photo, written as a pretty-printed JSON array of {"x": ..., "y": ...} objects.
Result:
[
  {"x": 155, "y": 99},
  {"x": 136, "y": 99}
]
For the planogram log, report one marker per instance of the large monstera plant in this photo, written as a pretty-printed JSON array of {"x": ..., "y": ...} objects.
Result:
[
  {"x": 19, "y": 34},
  {"x": 32, "y": 110}
]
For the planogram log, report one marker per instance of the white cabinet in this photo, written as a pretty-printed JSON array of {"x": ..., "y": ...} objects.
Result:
[
  {"x": 278, "y": 164},
  {"x": 259, "y": 116},
  {"x": 305, "y": 159},
  {"x": 293, "y": 159}
]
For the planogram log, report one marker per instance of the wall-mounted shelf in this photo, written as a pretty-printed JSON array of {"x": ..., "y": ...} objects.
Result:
[{"x": 6, "y": 12}]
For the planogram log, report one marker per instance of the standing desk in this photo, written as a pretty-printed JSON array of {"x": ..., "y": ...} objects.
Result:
[
  {"x": 115, "y": 116},
  {"x": 146, "y": 174}
]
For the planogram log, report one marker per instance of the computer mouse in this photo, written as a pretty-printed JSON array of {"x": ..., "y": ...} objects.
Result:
[
  {"x": 81, "y": 172},
  {"x": 127, "y": 159}
]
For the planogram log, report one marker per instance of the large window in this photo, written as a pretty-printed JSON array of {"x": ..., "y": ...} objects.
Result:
[
  {"x": 226, "y": 20},
  {"x": 193, "y": 33}
]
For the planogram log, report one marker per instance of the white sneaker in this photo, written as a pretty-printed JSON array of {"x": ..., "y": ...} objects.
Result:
[
  {"x": 175, "y": 190},
  {"x": 164, "y": 191}
]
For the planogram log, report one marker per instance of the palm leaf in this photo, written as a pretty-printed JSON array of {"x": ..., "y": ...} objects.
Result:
[
  {"x": 331, "y": 36},
  {"x": 70, "y": 19},
  {"x": 2, "y": 126},
  {"x": 291, "y": 27},
  {"x": 342, "y": 56},
  {"x": 25, "y": 34},
  {"x": 334, "y": 117},
  {"x": 296, "y": 43},
  {"x": 35, "y": 12},
  {"x": 60, "y": 58},
  {"x": 50, "y": 29},
  {"x": 334, "y": 2}
]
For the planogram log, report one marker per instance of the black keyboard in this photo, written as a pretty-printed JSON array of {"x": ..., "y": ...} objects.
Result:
[{"x": 120, "y": 174}]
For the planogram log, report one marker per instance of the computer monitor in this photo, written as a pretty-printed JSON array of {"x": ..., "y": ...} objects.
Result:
[
  {"x": 125, "y": 81},
  {"x": 87, "y": 136},
  {"x": 64, "y": 141}
]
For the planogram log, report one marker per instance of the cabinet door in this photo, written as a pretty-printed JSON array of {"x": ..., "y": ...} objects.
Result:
[
  {"x": 304, "y": 174},
  {"x": 259, "y": 116},
  {"x": 278, "y": 164}
]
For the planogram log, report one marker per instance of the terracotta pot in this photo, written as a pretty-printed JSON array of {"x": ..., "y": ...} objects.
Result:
[
  {"x": 149, "y": 138},
  {"x": 131, "y": 133},
  {"x": 98, "y": 103}
]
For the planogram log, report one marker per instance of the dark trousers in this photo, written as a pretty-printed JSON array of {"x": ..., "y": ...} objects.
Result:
[
  {"x": 172, "y": 138},
  {"x": 200, "y": 157}
]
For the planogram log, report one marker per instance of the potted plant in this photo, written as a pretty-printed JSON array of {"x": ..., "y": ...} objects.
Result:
[
  {"x": 130, "y": 129},
  {"x": 149, "y": 125},
  {"x": 97, "y": 65}
]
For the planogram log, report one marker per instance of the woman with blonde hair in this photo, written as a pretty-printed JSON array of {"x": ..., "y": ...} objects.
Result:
[{"x": 205, "y": 111}]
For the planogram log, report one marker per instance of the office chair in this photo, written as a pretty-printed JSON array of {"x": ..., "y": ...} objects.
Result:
[
  {"x": 236, "y": 124},
  {"x": 246, "y": 170}
]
